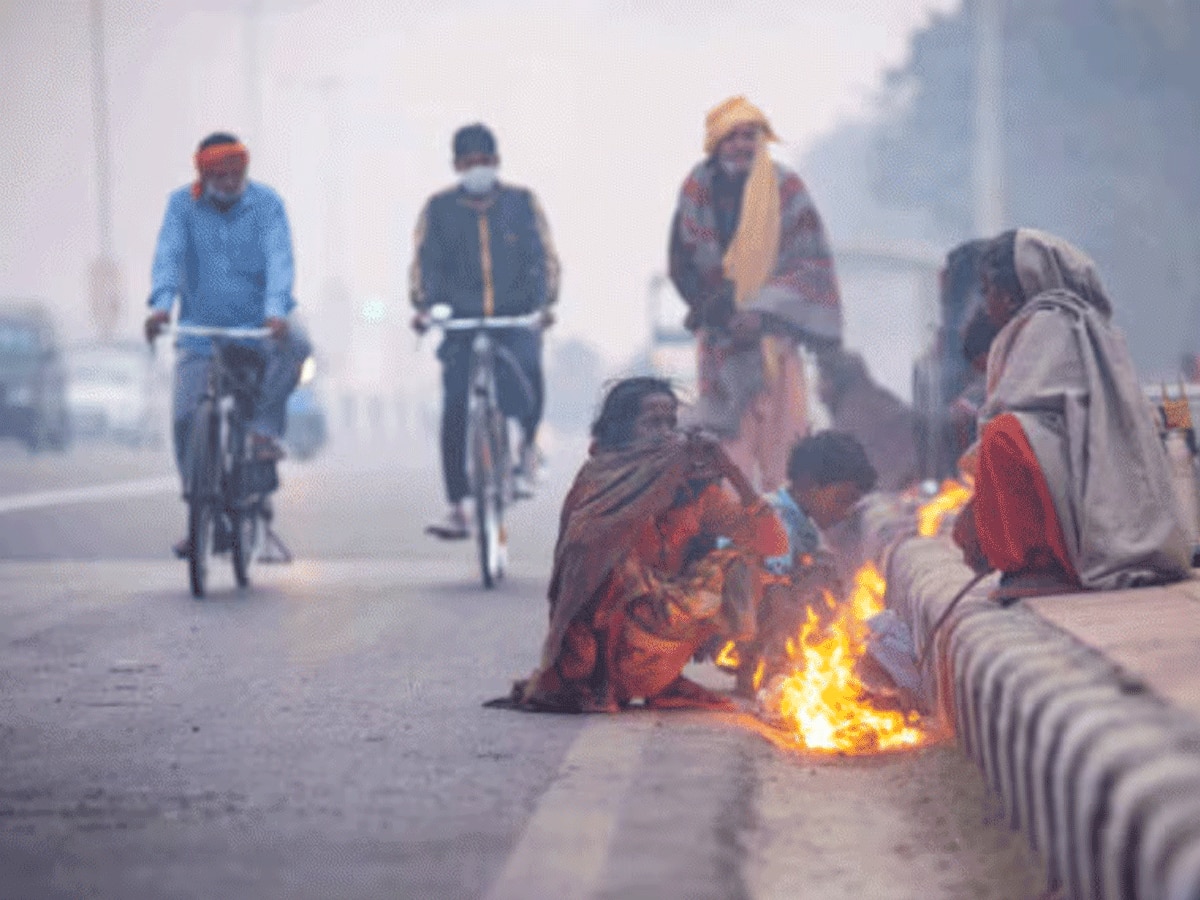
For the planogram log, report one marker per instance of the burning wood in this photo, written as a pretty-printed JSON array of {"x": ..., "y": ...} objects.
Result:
[
  {"x": 822, "y": 703},
  {"x": 823, "y": 690}
]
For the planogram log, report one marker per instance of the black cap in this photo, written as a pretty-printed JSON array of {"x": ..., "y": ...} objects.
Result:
[
  {"x": 217, "y": 138},
  {"x": 477, "y": 138}
]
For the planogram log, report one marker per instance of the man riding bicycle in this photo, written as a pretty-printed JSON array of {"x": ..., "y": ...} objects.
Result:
[
  {"x": 483, "y": 248},
  {"x": 225, "y": 250}
]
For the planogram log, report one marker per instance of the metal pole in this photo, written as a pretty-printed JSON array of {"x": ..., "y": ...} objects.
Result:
[
  {"x": 100, "y": 131},
  {"x": 104, "y": 277},
  {"x": 253, "y": 28},
  {"x": 988, "y": 164}
]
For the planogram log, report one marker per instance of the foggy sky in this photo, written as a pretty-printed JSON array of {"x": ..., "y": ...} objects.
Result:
[{"x": 598, "y": 107}]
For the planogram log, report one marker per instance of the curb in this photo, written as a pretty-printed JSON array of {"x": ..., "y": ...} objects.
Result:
[{"x": 1101, "y": 775}]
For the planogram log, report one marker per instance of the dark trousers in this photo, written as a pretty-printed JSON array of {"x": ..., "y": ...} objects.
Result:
[{"x": 455, "y": 354}]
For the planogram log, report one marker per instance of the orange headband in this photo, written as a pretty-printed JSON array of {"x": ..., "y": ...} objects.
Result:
[{"x": 208, "y": 157}]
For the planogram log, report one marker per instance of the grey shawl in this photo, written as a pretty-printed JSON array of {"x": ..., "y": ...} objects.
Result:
[{"x": 1063, "y": 370}]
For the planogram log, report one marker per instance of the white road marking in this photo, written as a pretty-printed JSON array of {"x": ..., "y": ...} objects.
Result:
[
  {"x": 561, "y": 855},
  {"x": 120, "y": 490}
]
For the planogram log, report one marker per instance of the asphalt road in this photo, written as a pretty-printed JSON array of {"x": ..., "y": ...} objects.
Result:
[{"x": 321, "y": 735}]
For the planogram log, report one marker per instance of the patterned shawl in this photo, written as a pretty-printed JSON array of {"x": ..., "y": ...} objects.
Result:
[
  {"x": 615, "y": 493},
  {"x": 802, "y": 291}
]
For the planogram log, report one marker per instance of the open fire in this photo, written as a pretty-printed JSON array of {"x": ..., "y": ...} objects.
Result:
[
  {"x": 951, "y": 497},
  {"x": 823, "y": 703}
]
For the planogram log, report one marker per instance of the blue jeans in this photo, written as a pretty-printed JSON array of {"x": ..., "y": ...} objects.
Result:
[{"x": 284, "y": 359}]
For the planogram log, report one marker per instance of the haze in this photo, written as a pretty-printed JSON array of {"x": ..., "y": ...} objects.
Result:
[{"x": 598, "y": 106}]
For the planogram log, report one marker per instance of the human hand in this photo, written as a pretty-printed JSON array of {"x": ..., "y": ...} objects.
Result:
[
  {"x": 966, "y": 537},
  {"x": 278, "y": 327},
  {"x": 548, "y": 319},
  {"x": 155, "y": 323},
  {"x": 716, "y": 309},
  {"x": 745, "y": 327},
  {"x": 420, "y": 322},
  {"x": 712, "y": 463}
]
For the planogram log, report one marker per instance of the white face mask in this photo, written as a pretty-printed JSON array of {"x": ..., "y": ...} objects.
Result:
[
  {"x": 224, "y": 198},
  {"x": 478, "y": 179}
]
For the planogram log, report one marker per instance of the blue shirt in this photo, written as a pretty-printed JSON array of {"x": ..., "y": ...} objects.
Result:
[
  {"x": 231, "y": 268},
  {"x": 802, "y": 534}
]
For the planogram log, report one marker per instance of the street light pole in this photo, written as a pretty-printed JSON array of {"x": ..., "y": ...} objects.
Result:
[
  {"x": 105, "y": 274},
  {"x": 253, "y": 62},
  {"x": 100, "y": 129},
  {"x": 988, "y": 162}
]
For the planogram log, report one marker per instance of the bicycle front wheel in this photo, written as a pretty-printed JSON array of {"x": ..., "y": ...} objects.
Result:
[
  {"x": 204, "y": 496},
  {"x": 247, "y": 526},
  {"x": 486, "y": 467}
]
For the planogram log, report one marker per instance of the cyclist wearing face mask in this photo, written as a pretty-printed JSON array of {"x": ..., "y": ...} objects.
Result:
[
  {"x": 225, "y": 252},
  {"x": 483, "y": 248}
]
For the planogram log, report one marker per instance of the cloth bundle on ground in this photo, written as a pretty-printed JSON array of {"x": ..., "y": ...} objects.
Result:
[{"x": 638, "y": 584}]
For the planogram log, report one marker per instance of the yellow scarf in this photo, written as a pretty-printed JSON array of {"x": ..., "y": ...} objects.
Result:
[
  {"x": 750, "y": 260},
  {"x": 754, "y": 250}
]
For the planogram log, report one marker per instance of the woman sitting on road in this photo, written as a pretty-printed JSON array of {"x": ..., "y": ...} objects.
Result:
[
  {"x": 1072, "y": 485},
  {"x": 655, "y": 558}
]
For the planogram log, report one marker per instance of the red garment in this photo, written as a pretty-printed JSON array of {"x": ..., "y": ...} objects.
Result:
[
  {"x": 208, "y": 157},
  {"x": 666, "y": 595},
  {"x": 1015, "y": 520},
  {"x": 664, "y": 541}
]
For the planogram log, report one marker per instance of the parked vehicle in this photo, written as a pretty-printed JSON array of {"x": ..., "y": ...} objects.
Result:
[
  {"x": 33, "y": 405},
  {"x": 117, "y": 392}
]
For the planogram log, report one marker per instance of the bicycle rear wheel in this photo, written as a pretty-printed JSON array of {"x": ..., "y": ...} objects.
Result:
[
  {"x": 203, "y": 496},
  {"x": 487, "y": 463}
]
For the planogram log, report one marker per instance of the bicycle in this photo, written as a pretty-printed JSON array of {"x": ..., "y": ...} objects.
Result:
[
  {"x": 489, "y": 447},
  {"x": 228, "y": 492}
]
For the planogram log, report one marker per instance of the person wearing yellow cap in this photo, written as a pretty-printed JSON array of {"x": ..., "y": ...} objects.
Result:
[{"x": 749, "y": 255}]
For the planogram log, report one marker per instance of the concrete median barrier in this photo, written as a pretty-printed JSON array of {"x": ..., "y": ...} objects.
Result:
[{"x": 1080, "y": 727}]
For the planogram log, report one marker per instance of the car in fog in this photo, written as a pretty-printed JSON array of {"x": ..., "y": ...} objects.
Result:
[
  {"x": 32, "y": 381},
  {"x": 117, "y": 392}
]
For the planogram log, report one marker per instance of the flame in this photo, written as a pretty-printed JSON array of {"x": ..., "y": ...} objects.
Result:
[
  {"x": 952, "y": 497},
  {"x": 727, "y": 657},
  {"x": 822, "y": 702},
  {"x": 759, "y": 671}
]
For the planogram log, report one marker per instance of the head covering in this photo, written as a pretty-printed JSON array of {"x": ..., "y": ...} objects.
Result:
[
  {"x": 728, "y": 115},
  {"x": 1062, "y": 368},
  {"x": 475, "y": 138},
  {"x": 1045, "y": 262},
  {"x": 215, "y": 149}
]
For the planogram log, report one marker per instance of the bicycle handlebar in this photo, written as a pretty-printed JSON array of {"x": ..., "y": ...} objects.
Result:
[
  {"x": 527, "y": 321},
  {"x": 222, "y": 331}
]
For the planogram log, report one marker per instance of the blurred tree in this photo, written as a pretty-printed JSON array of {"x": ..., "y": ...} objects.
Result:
[{"x": 1101, "y": 133}]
